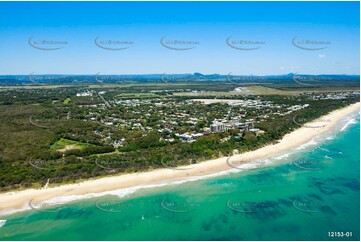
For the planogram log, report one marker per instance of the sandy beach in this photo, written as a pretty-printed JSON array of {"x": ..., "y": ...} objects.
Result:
[{"x": 20, "y": 199}]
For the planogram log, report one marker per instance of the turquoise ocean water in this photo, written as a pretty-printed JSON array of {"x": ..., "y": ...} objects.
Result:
[{"x": 301, "y": 195}]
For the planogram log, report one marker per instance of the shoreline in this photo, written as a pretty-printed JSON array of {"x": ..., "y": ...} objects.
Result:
[{"x": 15, "y": 201}]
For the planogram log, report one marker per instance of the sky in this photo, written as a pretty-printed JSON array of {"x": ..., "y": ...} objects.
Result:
[{"x": 245, "y": 38}]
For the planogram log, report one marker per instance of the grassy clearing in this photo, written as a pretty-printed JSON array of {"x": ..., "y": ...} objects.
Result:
[
  {"x": 65, "y": 144},
  {"x": 205, "y": 94},
  {"x": 260, "y": 90},
  {"x": 66, "y": 101},
  {"x": 137, "y": 95}
]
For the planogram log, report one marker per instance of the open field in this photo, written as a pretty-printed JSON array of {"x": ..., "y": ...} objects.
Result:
[
  {"x": 65, "y": 144},
  {"x": 262, "y": 90}
]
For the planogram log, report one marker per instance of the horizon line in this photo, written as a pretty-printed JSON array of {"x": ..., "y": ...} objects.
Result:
[{"x": 186, "y": 73}]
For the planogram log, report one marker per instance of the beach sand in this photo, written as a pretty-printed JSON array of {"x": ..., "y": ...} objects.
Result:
[{"x": 20, "y": 199}]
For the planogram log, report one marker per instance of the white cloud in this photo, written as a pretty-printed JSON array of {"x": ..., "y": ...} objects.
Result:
[{"x": 321, "y": 56}]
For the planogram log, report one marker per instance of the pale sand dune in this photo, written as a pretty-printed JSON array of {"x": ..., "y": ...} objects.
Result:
[{"x": 19, "y": 199}]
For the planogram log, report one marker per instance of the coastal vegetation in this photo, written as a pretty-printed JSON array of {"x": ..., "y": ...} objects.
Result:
[{"x": 69, "y": 134}]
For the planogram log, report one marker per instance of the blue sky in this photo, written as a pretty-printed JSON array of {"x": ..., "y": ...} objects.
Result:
[{"x": 272, "y": 25}]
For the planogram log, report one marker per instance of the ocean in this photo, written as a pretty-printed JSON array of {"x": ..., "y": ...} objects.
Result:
[{"x": 310, "y": 193}]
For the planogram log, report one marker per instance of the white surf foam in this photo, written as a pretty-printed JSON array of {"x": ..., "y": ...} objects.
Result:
[
  {"x": 310, "y": 143},
  {"x": 120, "y": 192},
  {"x": 10, "y": 211},
  {"x": 324, "y": 149},
  {"x": 127, "y": 191},
  {"x": 2, "y": 223},
  {"x": 350, "y": 122},
  {"x": 281, "y": 157}
]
